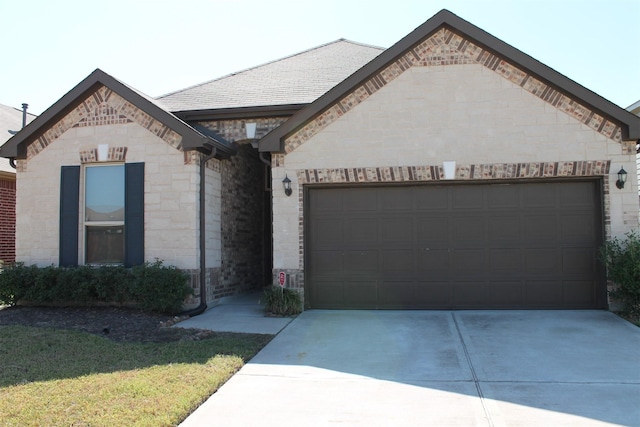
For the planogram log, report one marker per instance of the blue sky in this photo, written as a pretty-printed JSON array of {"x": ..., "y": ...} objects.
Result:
[{"x": 159, "y": 46}]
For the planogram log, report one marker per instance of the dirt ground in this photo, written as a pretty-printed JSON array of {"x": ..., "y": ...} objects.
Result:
[{"x": 118, "y": 324}]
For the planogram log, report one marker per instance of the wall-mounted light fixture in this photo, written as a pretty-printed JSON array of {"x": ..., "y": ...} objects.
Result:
[
  {"x": 622, "y": 178},
  {"x": 250, "y": 128},
  {"x": 286, "y": 183}
]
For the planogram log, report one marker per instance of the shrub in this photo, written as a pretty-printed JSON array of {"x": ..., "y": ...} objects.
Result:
[
  {"x": 622, "y": 260},
  {"x": 15, "y": 281},
  {"x": 156, "y": 287},
  {"x": 282, "y": 301},
  {"x": 152, "y": 286}
]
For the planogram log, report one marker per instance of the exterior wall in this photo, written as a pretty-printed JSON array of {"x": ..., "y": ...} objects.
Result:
[
  {"x": 7, "y": 219},
  {"x": 171, "y": 200},
  {"x": 243, "y": 188},
  {"x": 490, "y": 126}
]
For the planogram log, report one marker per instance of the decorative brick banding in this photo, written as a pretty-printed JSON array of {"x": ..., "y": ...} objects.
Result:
[
  {"x": 115, "y": 154},
  {"x": 463, "y": 172},
  {"x": 104, "y": 107},
  {"x": 448, "y": 48}
]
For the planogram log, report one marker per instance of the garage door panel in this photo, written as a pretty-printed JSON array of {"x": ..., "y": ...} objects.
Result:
[
  {"x": 471, "y": 294},
  {"x": 328, "y": 231},
  {"x": 544, "y": 293},
  {"x": 361, "y": 261},
  {"x": 327, "y": 293},
  {"x": 504, "y": 228},
  {"x": 503, "y": 197},
  {"x": 362, "y": 200},
  {"x": 396, "y": 229},
  {"x": 540, "y": 227},
  {"x": 361, "y": 294},
  {"x": 507, "y": 293},
  {"x": 519, "y": 245},
  {"x": 396, "y": 199},
  {"x": 433, "y": 294},
  {"x": 578, "y": 261},
  {"x": 577, "y": 227},
  {"x": 432, "y": 228},
  {"x": 394, "y": 261},
  {"x": 327, "y": 261},
  {"x": 395, "y": 294},
  {"x": 468, "y": 228},
  {"x": 576, "y": 196},
  {"x": 579, "y": 293},
  {"x": 542, "y": 261},
  {"x": 361, "y": 229},
  {"x": 432, "y": 198},
  {"x": 467, "y": 261},
  {"x": 539, "y": 196},
  {"x": 433, "y": 260},
  {"x": 505, "y": 260},
  {"x": 468, "y": 198}
]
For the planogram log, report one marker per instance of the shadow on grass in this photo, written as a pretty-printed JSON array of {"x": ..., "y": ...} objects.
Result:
[{"x": 31, "y": 354}]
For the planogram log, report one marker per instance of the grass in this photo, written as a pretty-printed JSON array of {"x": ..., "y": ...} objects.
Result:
[{"x": 57, "y": 377}]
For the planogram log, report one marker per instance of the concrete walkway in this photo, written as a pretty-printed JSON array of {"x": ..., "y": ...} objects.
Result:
[
  {"x": 438, "y": 368},
  {"x": 243, "y": 313}
]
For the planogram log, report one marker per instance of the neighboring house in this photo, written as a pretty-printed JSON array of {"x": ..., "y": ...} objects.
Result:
[
  {"x": 448, "y": 171},
  {"x": 10, "y": 121}
]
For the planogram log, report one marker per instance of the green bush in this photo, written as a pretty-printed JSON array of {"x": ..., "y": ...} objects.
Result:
[
  {"x": 152, "y": 286},
  {"x": 622, "y": 260},
  {"x": 159, "y": 288},
  {"x": 282, "y": 301}
]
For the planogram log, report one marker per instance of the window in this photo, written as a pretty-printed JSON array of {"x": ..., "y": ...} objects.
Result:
[
  {"x": 104, "y": 214},
  {"x": 111, "y": 217}
]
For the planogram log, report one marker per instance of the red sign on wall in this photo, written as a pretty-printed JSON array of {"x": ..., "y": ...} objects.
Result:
[{"x": 282, "y": 278}]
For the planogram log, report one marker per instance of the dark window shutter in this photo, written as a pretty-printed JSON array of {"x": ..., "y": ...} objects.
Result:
[
  {"x": 134, "y": 214},
  {"x": 69, "y": 208}
]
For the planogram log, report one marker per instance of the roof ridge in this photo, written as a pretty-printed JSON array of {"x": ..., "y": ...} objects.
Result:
[{"x": 159, "y": 98}]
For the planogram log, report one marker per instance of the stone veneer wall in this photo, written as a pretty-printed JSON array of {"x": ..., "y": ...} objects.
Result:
[{"x": 448, "y": 48}]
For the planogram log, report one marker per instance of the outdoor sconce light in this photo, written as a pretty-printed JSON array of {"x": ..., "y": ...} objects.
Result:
[
  {"x": 286, "y": 182},
  {"x": 622, "y": 178}
]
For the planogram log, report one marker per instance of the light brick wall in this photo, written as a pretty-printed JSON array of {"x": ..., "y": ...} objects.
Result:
[
  {"x": 171, "y": 194},
  {"x": 464, "y": 113}
]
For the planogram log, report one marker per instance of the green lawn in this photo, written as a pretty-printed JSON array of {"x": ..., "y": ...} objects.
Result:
[{"x": 51, "y": 377}]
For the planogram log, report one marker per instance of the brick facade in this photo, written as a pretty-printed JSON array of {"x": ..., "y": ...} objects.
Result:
[
  {"x": 7, "y": 220},
  {"x": 243, "y": 225}
]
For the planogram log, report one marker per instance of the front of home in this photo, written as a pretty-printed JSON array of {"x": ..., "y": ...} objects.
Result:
[{"x": 448, "y": 171}]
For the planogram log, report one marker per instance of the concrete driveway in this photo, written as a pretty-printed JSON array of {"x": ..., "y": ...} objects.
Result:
[{"x": 438, "y": 368}]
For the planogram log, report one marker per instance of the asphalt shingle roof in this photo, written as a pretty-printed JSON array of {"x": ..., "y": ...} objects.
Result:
[{"x": 296, "y": 79}]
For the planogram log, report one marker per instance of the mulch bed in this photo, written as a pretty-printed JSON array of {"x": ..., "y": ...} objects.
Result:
[{"x": 115, "y": 323}]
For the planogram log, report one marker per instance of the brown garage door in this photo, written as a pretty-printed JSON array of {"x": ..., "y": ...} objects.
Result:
[{"x": 525, "y": 245}]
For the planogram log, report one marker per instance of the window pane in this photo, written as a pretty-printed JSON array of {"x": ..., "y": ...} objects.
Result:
[
  {"x": 104, "y": 193},
  {"x": 105, "y": 245}
]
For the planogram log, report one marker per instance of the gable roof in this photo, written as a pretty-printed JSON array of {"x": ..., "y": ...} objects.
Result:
[
  {"x": 297, "y": 79},
  {"x": 191, "y": 138},
  {"x": 630, "y": 125}
]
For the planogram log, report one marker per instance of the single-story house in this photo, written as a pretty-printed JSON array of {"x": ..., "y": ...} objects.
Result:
[
  {"x": 11, "y": 121},
  {"x": 450, "y": 170}
]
